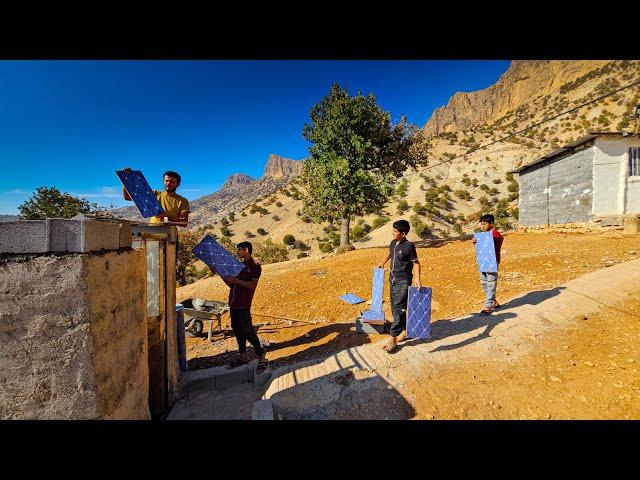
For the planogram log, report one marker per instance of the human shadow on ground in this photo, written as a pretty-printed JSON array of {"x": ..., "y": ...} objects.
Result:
[
  {"x": 345, "y": 337},
  {"x": 445, "y": 328}
]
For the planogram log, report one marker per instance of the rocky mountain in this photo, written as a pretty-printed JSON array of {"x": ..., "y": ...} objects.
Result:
[
  {"x": 278, "y": 167},
  {"x": 524, "y": 81},
  {"x": 238, "y": 179},
  {"x": 9, "y": 218}
]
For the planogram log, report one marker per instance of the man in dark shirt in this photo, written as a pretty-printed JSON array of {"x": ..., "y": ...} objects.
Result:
[
  {"x": 243, "y": 287},
  {"x": 403, "y": 257}
]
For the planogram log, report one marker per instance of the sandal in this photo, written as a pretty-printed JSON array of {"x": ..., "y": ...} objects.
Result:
[
  {"x": 262, "y": 365},
  {"x": 236, "y": 362},
  {"x": 485, "y": 312},
  {"x": 495, "y": 305}
]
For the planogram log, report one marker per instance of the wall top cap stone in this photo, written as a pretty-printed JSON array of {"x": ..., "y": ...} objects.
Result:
[{"x": 59, "y": 235}]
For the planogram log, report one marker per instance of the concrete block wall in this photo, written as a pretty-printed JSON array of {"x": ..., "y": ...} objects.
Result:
[
  {"x": 57, "y": 235},
  {"x": 73, "y": 332},
  {"x": 558, "y": 191}
]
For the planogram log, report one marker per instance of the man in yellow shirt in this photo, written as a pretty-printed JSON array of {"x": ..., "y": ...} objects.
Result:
[{"x": 175, "y": 206}]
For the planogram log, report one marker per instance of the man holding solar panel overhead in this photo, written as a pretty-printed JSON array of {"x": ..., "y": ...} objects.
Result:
[{"x": 176, "y": 207}]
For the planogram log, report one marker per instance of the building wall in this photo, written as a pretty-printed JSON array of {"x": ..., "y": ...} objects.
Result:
[
  {"x": 557, "y": 192},
  {"x": 115, "y": 290},
  {"x": 73, "y": 336},
  {"x": 615, "y": 193}
]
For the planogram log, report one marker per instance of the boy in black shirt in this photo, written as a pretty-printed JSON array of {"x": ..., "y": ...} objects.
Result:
[{"x": 403, "y": 257}]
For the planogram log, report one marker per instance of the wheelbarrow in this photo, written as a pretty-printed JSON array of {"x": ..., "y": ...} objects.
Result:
[{"x": 198, "y": 311}]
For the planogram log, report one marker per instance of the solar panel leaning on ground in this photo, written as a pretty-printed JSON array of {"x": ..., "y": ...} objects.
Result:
[
  {"x": 419, "y": 312},
  {"x": 140, "y": 192},
  {"x": 486, "y": 252},
  {"x": 351, "y": 298},
  {"x": 215, "y": 255},
  {"x": 377, "y": 287}
]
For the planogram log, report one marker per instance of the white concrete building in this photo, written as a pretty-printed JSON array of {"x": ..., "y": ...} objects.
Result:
[{"x": 597, "y": 177}]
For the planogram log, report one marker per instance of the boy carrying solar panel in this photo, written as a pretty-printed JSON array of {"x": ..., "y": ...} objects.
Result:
[
  {"x": 404, "y": 260},
  {"x": 489, "y": 280}
]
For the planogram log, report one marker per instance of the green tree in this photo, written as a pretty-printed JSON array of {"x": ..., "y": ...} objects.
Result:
[
  {"x": 289, "y": 239},
  {"x": 187, "y": 240},
  {"x": 356, "y": 157},
  {"x": 51, "y": 203},
  {"x": 270, "y": 252}
]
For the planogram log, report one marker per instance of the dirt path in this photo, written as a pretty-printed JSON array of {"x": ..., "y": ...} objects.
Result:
[{"x": 308, "y": 289}]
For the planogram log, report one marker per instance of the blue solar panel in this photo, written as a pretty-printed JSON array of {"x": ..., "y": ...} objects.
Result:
[
  {"x": 376, "y": 289},
  {"x": 486, "y": 252},
  {"x": 214, "y": 255},
  {"x": 351, "y": 298},
  {"x": 372, "y": 316},
  {"x": 419, "y": 312},
  {"x": 140, "y": 192}
]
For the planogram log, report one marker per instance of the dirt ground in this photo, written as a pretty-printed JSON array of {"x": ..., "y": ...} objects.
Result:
[
  {"x": 588, "y": 371},
  {"x": 308, "y": 289}
]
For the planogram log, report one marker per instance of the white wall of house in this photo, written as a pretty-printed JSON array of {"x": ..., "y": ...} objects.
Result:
[{"x": 614, "y": 191}]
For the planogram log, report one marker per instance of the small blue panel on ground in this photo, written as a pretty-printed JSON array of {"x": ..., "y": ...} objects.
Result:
[
  {"x": 419, "y": 312},
  {"x": 214, "y": 255},
  {"x": 351, "y": 298},
  {"x": 140, "y": 192}
]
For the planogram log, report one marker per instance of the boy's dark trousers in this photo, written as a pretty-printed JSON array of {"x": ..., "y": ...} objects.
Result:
[
  {"x": 243, "y": 330},
  {"x": 399, "y": 293}
]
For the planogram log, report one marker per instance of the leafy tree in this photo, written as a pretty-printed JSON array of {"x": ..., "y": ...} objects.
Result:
[
  {"x": 187, "y": 240},
  {"x": 51, "y": 203},
  {"x": 356, "y": 157},
  {"x": 270, "y": 252}
]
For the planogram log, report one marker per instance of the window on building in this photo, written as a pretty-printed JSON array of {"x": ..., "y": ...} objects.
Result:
[{"x": 634, "y": 161}]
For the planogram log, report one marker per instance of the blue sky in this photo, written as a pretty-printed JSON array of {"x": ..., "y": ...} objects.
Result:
[{"x": 71, "y": 124}]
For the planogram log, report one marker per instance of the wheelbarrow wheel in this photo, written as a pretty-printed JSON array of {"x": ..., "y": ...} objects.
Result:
[{"x": 196, "y": 329}]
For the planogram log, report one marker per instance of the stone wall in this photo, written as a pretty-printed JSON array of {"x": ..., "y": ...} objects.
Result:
[{"x": 73, "y": 339}]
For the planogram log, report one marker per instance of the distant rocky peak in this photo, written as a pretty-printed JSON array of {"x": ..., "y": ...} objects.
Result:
[
  {"x": 278, "y": 166},
  {"x": 238, "y": 179}
]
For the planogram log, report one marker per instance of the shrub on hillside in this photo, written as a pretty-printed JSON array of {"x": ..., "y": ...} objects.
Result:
[
  {"x": 380, "y": 221},
  {"x": 270, "y": 252}
]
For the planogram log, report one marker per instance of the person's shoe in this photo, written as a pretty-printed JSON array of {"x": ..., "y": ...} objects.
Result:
[{"x": 486, "y": 312}]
